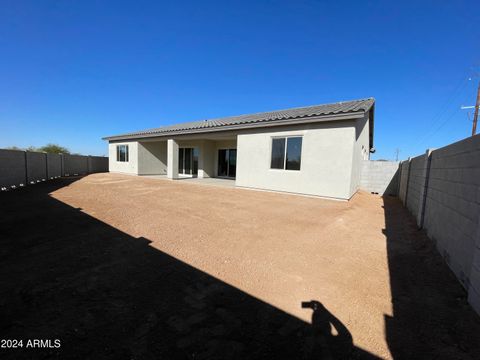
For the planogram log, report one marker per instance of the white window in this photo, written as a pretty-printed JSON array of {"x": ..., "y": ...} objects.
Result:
[
  {"x": 286, "y": 153},
  {"x": 122, "y": 153}
]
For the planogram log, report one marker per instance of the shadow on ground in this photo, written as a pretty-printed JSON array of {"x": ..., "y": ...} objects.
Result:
[
  {"x": 431, "y": 316},
  {"x": 107, "y": 295}
]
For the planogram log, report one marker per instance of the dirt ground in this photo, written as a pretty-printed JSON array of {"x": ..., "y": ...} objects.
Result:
[{"x": 122, "y": 267}]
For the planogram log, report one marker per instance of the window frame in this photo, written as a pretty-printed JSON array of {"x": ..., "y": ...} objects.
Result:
[
  {"x": 285, "y": 138},
  {"x": 127, "y": 158}
]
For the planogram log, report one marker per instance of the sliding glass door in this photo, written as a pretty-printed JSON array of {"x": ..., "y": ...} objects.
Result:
[
  {"x": 227, "y": 162},
  {"x": 232, "y": 162},
  {"x": 188, "y": 161}
]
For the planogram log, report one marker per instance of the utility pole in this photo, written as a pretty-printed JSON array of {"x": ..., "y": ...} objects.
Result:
[
  {"x": 397, "y": 151},
  {"x": 475, "y": 116}
]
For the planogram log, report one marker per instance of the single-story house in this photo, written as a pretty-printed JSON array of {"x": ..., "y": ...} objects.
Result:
[{"x": 314, "y": 150}]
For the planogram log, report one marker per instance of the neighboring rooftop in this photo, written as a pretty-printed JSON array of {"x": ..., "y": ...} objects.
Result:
[{"x": 243, "y": 121}]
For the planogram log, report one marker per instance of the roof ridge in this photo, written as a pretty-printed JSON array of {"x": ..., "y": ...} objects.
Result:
[{"x": 287, "y": 109}]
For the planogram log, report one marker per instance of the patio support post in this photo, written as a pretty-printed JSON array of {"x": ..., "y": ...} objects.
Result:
[
  {"x": 172, "y": 159},
  {"x": 201, "y": 159}
]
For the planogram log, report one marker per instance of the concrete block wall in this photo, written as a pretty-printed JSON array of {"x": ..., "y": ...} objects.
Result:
[
  {"x": 474, "y": 291},
  {"x": 380, "y": 177},
  {"x": 449, "y": 207},
  {"x": 416, "y": 184},
  {"x": 54, "y": 166},
  {"x": 75, "y": 164},
  {"x": 20, "y": 168},
  {"x": 402, "y": 189},
  {"x": 452, "y": 210},
  {"x": 12, "y": 168},
  {"x": 36, "y": 167},
  {"x": 97, "y": 164}
]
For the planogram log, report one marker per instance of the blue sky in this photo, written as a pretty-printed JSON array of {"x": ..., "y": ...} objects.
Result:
[{"x": 74, "y": 71}]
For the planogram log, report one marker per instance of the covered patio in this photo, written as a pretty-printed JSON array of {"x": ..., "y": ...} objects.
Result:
[
  {"x": 193, "y": 157},
  {"x": 222, "y": 182}
]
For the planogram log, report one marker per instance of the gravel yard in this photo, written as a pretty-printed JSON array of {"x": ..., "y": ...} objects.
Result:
[{"x": 124, "y": 267}]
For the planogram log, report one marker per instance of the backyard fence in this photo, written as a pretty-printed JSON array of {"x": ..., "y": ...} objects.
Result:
[
  {"x": 441, "y": 188},
  {"x": 380, "y": 177},
  {"x": 21, "y": 168}
]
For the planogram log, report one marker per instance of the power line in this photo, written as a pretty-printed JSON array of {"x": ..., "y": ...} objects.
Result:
[
  {"x": 435, "y": 120},
  {"x": 443, "y": 124},
  {"x": 455, "y": 112}
]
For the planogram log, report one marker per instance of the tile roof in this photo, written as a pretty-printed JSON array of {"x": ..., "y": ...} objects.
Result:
[{"x": 343, "y": 107}]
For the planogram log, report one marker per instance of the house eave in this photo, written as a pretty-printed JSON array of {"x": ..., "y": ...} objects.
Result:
[{"x": 264, "y": 124}]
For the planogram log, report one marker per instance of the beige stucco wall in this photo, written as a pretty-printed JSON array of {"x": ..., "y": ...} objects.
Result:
[
  {"x": 130, "y": 167},
  {"x": 207, "y": 164},
  {"x": 361, "y": 151},
  {"x": 332, "y": 154},
  {"x": 326, "y": 165},
  {"x": 152, "y": 158}
]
